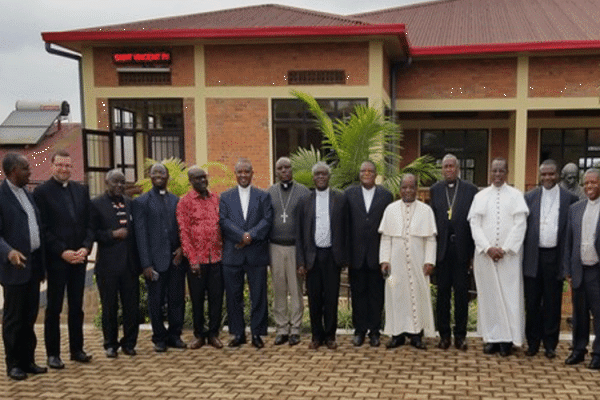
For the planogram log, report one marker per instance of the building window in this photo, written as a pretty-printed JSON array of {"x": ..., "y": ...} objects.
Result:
[
  {"x": 144, "y": 78},
  {"x": 294, "y": 126},
  {"x": 470, "y": 146},
  {"x": 152, "y": 127},
  {"x": 323, "y": 77},
  {"x": 579, "y": 146}
]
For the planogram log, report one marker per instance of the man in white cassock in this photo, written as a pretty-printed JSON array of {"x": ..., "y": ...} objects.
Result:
[
  {"x": 407, "y": 255},
  {"x": 498, "y": 218}
]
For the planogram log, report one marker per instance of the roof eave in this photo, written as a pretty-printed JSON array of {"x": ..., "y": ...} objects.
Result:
[{"x": 499, "y": 48}]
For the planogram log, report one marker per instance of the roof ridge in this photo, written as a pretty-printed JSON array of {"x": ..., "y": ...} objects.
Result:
[
  {"x": 222, "y": 11},
  {"x": 405, "y": 7}
]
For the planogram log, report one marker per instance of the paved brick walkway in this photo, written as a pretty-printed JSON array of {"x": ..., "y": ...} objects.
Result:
[{"x": 286, "y": 372}]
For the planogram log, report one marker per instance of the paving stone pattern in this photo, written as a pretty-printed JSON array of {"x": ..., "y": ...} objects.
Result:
[{"x": 295, "y": 373}]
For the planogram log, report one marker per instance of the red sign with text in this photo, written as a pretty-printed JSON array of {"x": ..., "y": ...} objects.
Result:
[{"x": 160, "y": 57}]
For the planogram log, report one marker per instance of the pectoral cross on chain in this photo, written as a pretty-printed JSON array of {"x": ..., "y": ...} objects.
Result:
[
  {"x": 449, "y": 213},
  {"x": 284, "y": 216}
]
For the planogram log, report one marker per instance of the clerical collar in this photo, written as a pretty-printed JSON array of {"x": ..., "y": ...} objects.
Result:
[
  {"x": 594, "y": 202},
  {"x": 287, "y": 185},
  {"x": 322, "y": 192},
  {"x": 451, "y": 184},
  {"x": 162, "y": 192},
  {"x": 63, "y": 184}
]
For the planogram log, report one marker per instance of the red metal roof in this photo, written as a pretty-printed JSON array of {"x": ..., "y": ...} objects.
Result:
[
  {"x": 483, "y": 26},
  {"x": 243, "y": 17}
]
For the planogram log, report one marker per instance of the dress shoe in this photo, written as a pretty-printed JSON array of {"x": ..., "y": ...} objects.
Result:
[
  {"x": 314, "y": 344},
  {"x": 111, "y": 352},
  {"x": 17, "y": 374},
  {"x": 177, "y": 343},
  {"x": 331, "y": 344},
  {"x": 280, "y": 339},
  {"x": 215, "y": 342},
  {"x": 160, "y": 347},
  {"x": 237, "y": 341},
  {"x": 358, "y": 340},
  {"x": 294, "y": 339},
  {"x": 575, "y": 358},
  {"x": 197, "y": 343},
  {"x": 444, "y": 343},
  {"x": 128, "y": 351},
  {"x": 81, "y": 357},
  {"x": 506, "y": 349},
  {"x": 35, "y": 369},
  {"x": 550, "y": 354},
  {"x": 417, "y": 342},
  {"x": 461, "y": 343},
  {"x": 395, "y": 341},
  {"x": 55, "y": 362},
  {"x": 491, "y": 348},
  {"x": 595, "y": 363},
  {"x": 374, "y": 340},
  {"x": 257, "y": 342},
  {"x": 532, "y": 351}
]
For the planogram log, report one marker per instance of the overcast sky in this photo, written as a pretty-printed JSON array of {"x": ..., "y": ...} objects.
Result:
[{"x": 28, "y": 72}]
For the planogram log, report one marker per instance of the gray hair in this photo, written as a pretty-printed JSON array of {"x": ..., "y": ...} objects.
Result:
[
  {"x": 321, "y": 165},
  {"x": 451, "y": 156},
  {"x": 113, "y": 172},
  {"x": 594, "y": 171}
]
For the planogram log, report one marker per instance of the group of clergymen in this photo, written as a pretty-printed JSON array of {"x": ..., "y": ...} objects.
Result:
[{"x": 521, "y": 249}]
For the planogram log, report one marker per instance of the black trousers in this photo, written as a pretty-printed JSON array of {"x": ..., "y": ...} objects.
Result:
[
  {"x": 208, "y": 283},
  {"x": 586, "y": 300},
  {"x": 126, "y": 287},
  {"x": 21, "y": 304},
  {"x": 170, "y": 286},
  {"x": 323, "y": 285},
  {"x": 543, "y": 301},
  {"x": 451, "y": 274},
  {"x": 71, "y": 278},
  {"x": 367, "y": 299},
  {"x": 233, "y": 275}
]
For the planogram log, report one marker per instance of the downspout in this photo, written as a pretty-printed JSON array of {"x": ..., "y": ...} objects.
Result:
[
  {"x": 395, "y": 67},
  {"x": 76, "y": 57}
]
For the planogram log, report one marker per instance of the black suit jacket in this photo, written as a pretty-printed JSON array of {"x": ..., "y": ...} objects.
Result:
[
  {"x": 306, "y": 249},
  {"x": 363, "y": 225},
  {"x": 465, "y": 246},
  {"x": 572, "y": 251},
  {"x": 114, "y": 256},
  {"x": 533, "y": 198},
  {"x": 257, "y": 223},
  {"x": 14, "y": 234},
  {"x": 156, "y": 229},
  {"x": 62, "y": 231}
]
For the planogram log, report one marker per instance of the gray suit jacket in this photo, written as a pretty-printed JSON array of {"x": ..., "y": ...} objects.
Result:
[
  {"x": 533, "y": 198},
  {"x": 572, "y": 253}
]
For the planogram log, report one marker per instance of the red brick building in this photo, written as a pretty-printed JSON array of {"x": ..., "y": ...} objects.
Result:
[{"x": 479, "y": 78}]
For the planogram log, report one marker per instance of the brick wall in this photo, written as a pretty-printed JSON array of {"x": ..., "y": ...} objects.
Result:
[
  {"x": 410, "y": 146},
  {"x": 239, "y": 128},
  {"x": 182, "y": 67},
  {"x": 499, "y": 144},
  {"x": 575, "y": 76},
  {"x": 102, "y": 114},
  {"x": 268, "y": 64},
  {"x": 459, "y": 79}
]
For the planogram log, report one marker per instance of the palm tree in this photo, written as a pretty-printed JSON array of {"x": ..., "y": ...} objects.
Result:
[{"x": 364, "y": 135}]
